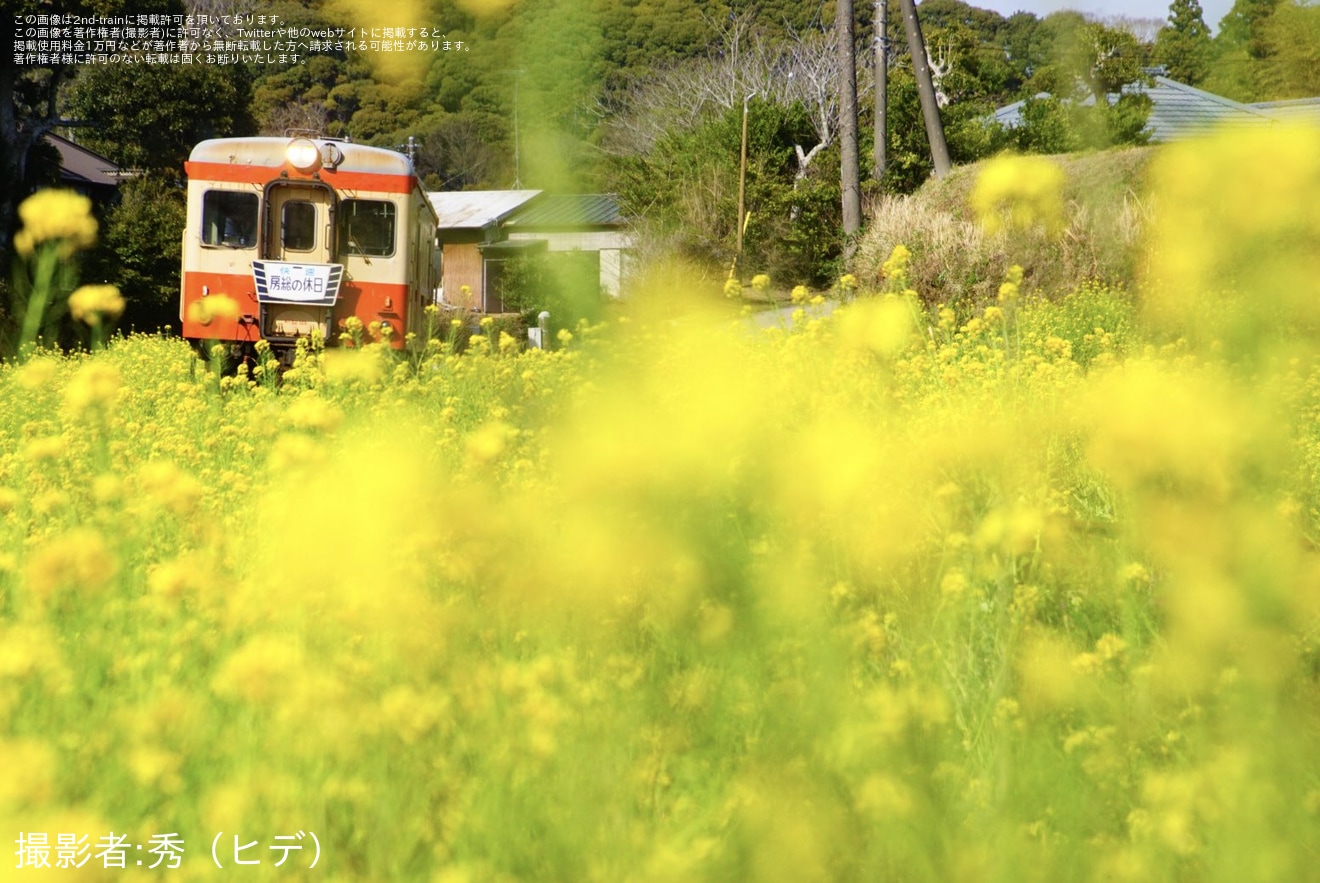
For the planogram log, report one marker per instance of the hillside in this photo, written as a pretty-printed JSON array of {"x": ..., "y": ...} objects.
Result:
[{"x": 954, "y": 260}]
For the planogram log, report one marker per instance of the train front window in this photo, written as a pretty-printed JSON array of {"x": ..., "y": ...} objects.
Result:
[
  {"x": 298, "y": 226},
  {"x": 366, "y": 227},
  {"x": 229, "y": 218}
]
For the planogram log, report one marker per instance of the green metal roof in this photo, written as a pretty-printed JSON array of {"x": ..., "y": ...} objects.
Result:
[{"x": 568, "y": 211}]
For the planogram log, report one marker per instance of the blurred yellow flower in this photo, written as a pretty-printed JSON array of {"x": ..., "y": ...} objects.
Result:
[
  {"x": 78, "y": 560},
  {"x": 883, "y": 326},
  {"x": 895, "y": 269},
  {"x": 92, "y": 303},
  {"x": 1019, "y": 191},
  {"x": 1233, "y": 258},
  {"x": 346, "y": 366},
  {"x": 30, "y": 769},
  {"x": 261, "y": 670},
  {"x": 164, "y": 484},
  {"x": 96, "y": 385},
  {"x": 215, "y": 306},
  {"x": 55, "y": 215},
  {"x": 38, "y": 373},
  {"x": 1011, "y": 287},
  {"x": 311, "y": 412}
]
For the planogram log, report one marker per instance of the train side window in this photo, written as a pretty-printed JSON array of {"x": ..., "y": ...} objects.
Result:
[
  {"x": 366, "y": 227},
  {"x": 298, "y": 225},
  {"x": 229, "y": 218}
]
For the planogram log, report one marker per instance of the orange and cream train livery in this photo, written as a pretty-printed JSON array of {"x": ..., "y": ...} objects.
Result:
[{"x": 286, "y": 236}]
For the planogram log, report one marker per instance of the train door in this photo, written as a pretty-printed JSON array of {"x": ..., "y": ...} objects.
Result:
[
  {"x": 299, "y": 221},
  {"x": 419, "y": 271},
  {"x": 298, "y": 294}
]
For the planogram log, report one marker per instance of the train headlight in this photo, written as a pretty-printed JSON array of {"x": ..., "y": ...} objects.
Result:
[{"x": 303, "y": 155}]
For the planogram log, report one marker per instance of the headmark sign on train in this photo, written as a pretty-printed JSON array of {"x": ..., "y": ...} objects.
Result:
[{"x": 287, "y": 282}]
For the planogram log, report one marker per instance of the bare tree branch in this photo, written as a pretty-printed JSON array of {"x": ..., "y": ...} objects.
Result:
[{"x": 797, "y": 68}]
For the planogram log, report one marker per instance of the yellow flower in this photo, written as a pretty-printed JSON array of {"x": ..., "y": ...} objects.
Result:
[
  {"x": 90, "y": 302},
  {"x": 215, "y": 306},
  {"x": 56, "y": 214},
  {"x": 801, "y": 294},
  {"x": 346, "y": 366},
  {"x": 954, "y": 584},
  {"x": 1012, "y": 285},
  {"x": 881, "y": 326},
  {"x": 761, "y": 282},
  {"x": 80, "y": 559},
  {"x": 732, "y": 287},
  {"x": 488, "y": 441},
  {"x": 37, "y": 374},
  {"x": 1019, "y": 191},
  {"x": 164, "y": 484},
  {"x": 311, "y": 412},
  {"x": 96, "y": 385},
  {"x": 896, "y": 268},
  {"x": 260, "y": 671}
]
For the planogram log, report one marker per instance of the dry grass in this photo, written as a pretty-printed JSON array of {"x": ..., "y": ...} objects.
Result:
[{"x": 954, "y": 261}]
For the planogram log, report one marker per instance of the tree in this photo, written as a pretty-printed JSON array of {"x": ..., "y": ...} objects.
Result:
[
  {"x": 801, "y": 69},
  {"x": 1183, "y": 45},
  {"x": 148, "y": 118},
  {"x": 1104, "y": 59},
  {"x": 178, "y": 105},
  {"x": 139, "y": 250},
  {"x": 684, "y": 188},
  {"x": 30, "y": 100},
  {"x": 849, "y": 167},
  {"x": 1293, "y": 35},
  {"x": 1243, "y": 50},
  {"x": 1244, "y": 26},
  {"x": 457, "y": 151}
]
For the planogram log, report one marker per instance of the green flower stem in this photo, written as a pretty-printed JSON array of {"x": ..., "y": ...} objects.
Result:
[{"x": 39, "y": 299}]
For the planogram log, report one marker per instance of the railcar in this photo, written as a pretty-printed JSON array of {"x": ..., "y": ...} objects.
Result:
[{"x": 289, "y": 236}]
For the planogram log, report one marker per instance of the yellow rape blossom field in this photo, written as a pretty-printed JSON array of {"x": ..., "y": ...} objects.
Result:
[{"x": 1027, "y": 593}]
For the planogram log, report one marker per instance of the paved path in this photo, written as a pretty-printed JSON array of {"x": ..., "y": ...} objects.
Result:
[{"x": 783, "y": 317}]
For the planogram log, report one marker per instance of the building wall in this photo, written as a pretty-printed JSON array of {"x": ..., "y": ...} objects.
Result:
[
  {"x": 612, "y": 245},
  {"x": 611, "y": 270},
  {"x": 462, "y": 266}
]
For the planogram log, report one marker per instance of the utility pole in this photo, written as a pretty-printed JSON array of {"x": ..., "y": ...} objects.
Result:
[
  {"x": 881, "y": 88},
  {"x": 939, "y": 148},
  {"x": 850, "y": 171},
  {"x": 517, "y": 152},
  {"x": 742, "y": 181}
]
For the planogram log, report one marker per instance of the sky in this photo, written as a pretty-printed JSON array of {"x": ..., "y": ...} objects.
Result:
[{"x": 1213, "y": 10}]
